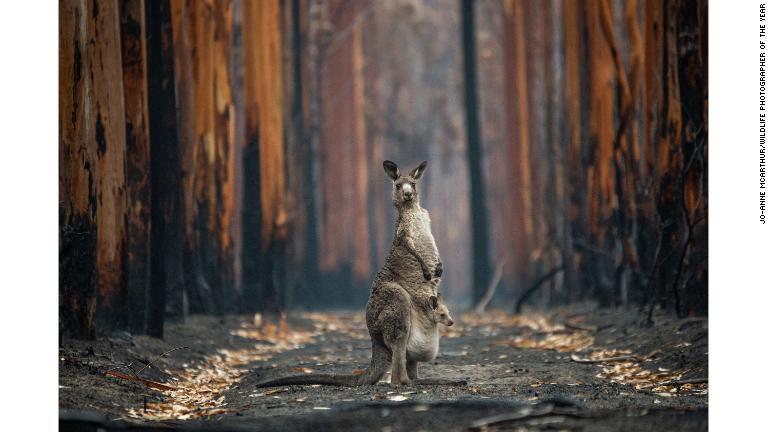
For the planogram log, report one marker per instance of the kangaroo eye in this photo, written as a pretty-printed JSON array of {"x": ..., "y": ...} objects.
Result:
[
  {"x": 399, "y": 185},
  {"x": 413, "y": 185}
]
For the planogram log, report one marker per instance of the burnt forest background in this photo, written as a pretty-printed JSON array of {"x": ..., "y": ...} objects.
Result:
[{"x": 224, "y": 156}]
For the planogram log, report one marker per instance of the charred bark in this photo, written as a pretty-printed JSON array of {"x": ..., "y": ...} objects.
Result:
[
  {"x": 77, "y": 187},
  {"x": 265, "y": 217},
  {"x": 481, "y": 268},
  {"x": 134, "y": 61},
  {"x": 92, "y": 162},
  {"x": 166, "y": 246}
]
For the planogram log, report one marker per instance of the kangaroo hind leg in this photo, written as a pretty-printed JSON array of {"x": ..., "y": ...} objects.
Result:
[{"x": 412, "y": 367}]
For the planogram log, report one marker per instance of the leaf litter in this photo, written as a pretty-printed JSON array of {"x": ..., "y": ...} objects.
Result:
[
  {"x": 525, "y": 366},
  {"x": 198, "y": 390},
  {"x": 618, "y": 366}
]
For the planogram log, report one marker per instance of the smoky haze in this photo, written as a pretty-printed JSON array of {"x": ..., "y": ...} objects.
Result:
[{"x": 226, "y": 157}]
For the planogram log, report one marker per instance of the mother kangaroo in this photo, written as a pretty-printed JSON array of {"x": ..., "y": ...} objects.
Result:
[
  {"x": 411, "y": 272},
  {"x": 404, "y": 307}
]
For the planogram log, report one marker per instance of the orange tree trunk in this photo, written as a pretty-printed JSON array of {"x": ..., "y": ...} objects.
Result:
[
  {"x": 521, "y": 216},
  {"x": 265, "y": 223},
  {"x": 77, "y": 173},
  {"x": 92, "y": 162},
  {"x": 573, "y": 21}
]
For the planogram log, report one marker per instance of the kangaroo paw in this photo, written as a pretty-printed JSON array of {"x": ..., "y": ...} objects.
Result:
[{"x": 427, "y": 275}]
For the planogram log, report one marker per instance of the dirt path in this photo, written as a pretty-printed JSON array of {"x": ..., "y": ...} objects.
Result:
[{"x": 520, "y": 371}]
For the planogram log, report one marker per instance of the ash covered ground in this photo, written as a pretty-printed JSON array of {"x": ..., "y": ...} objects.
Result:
[{"x": 571, "y": 369}]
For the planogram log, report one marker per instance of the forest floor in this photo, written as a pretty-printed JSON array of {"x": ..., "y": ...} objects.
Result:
[{"x": 570, "y": 369}]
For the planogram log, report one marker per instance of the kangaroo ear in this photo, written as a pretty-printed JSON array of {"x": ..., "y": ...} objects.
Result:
[
  {"x": 433, "y": 302},
  {"x": 419, "y": 170},
  {"x": 391, "y": 169}
]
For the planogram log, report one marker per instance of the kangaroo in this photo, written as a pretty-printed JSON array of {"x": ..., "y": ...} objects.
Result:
[
  {"x": 404, "y": 306},
  {"x": 416, "y": 322},
  {"x": 413, "y": 261}
]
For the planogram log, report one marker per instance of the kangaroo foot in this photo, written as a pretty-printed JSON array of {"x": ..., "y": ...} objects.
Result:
[{"x": 402, "y": 382}]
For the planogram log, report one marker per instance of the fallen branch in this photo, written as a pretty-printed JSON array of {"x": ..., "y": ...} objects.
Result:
[
  {"x": 135, "y": 375},
  {"x": 483, "y": 303},
  {"x": 535, "y": 286},
  {"x": 151, "y": 384},
  {"x": 157, "y": 357}
]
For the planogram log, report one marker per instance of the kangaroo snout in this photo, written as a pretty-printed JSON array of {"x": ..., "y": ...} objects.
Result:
[{"x": 407, "y": 191}]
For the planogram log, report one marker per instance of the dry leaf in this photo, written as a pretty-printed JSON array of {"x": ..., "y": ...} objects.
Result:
[{"x": 199, "y": 389}]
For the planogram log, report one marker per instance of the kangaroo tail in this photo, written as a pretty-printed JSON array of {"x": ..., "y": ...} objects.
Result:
[{"x": 380, "y": 359}]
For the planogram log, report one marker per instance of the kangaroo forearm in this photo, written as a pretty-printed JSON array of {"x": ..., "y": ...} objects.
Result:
[{"x": 411, "y": 248}]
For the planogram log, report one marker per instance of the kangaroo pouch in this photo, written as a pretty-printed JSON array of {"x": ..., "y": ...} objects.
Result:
[{"x": 423, "y": 339}]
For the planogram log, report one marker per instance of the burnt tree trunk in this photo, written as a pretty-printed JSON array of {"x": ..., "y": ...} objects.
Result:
[
  {"x": 92, "y": 161},
  {"x": 518, "y": 137},
  {"x": 480, "y": 239},
  {"x": 77, "y": 176},
  {"x": 299, "y": 284},
  {"x": 265, "y": 219},
  {"x": 167, "y": 213},
  {"x": 109, "y": 133},
  {"x": 575, "y": 78},
  {"x": 221, "y": 204},
  {"x": 197, "y": 296},
  {"x": 134, "y": 60}
]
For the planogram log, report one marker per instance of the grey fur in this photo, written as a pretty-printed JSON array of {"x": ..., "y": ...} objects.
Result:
[{"x": 404, "y": 306}]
